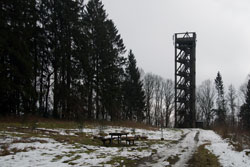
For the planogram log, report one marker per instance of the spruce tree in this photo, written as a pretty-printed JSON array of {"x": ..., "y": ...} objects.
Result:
[
  {"x": 95, "y": 32},
  {"x": 18, "y": 24},
  {"x": 245, "y": 110},
  {"x": 221, "y": 103},
  {"x": 62, "y": 25},
  {"x": 231, "y": 98},
  {"x": 134, "y": 96},
  {"x": 105, "y": 49},
  {"x": 60, "y": 54},
  {"x": 112, "y": 63}
]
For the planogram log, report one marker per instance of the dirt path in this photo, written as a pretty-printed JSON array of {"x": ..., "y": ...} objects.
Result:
[{"x": 175, "y": 154}]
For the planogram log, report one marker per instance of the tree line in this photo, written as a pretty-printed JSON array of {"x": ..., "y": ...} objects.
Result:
[
  {"x": 159, "y": 100},
  {"x": 215, "y": 107},
  {"x": 66, "y": 60}
]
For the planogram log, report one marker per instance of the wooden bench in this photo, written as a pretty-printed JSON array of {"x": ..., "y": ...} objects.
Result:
[
  {"x": 104, "y": 140},
  {"x": 119, "y": 136},
  {"x": 130, "y": 140},
  {"x": 144, "y": 137}
]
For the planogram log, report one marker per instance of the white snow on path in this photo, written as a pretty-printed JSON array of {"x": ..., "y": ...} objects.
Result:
[
  {"x": 183, "y": 150},
  {"x": 187, "y": 147},
  {"x": 225, "y": 152}
]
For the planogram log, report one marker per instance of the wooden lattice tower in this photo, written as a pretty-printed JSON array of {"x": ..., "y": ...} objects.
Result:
[{"x": 185, "y": 44}]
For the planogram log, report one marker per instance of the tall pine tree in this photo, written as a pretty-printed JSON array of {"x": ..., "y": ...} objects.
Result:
[
  {"x": 17, "y": 52},
  {"x": 245, "y": 110},
  {"x": 105, "y": 61},
  {"x": 221, "y": 102},
  {"x": 134, "y": 96}
]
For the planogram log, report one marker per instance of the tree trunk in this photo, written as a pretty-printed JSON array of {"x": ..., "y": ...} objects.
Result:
[
  {"x": 90, "y": 99},
  {"x": 55, "y": 110},
  {"x": 47, "y": 96},
  {"x": 41, "y": 107}
]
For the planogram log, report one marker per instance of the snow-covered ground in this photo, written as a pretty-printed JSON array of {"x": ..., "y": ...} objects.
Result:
[
  {"x": 227, "y": 155},
  {"x": 176, "y": 149},
  {"x": 44, "y": 151},
  {"x": 183, "y": 149}
]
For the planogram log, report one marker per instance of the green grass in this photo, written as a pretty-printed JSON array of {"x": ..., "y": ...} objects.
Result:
[
  {"x": 5, "y": 150},
  {"x": 79, "y": 139},
  {"x": 153, "y": 142},
  {"x": 72, "y": 159},
  {"x": 35, "y": 123},
  {"x": 3, "y": 125},
  {"x": 89, "y": 151},
  {"x": 57, "y": 158},
  {"x": 21, "y": 132},
  {"x": 173, "y": 159},
  {"x": 58, "y": 124},
  {"x": 140, "y": 149},
  {"x": 40, "y": 122},
  {"x": 71, "y": 155},
  {"x": 203, "y": 158}
]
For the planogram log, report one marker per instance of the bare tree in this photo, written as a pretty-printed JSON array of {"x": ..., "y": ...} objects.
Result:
[
  {"x": 168, "y": 87},
  {"x": 159, "y": 94},
  {"x": 231, "y": 97},
  {"x": 149, "y": 83},
  {"x": 243, "y": 90},
  {"x": 205, "y": 100}
]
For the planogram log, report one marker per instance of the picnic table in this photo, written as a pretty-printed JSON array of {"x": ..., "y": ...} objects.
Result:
[{"x": 119, "y": 136}]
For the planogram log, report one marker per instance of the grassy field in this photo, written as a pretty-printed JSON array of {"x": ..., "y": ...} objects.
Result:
[
  {"x": 62, "y": 142},
  {"x": 79, "y": 144},
  {"x": 36, "y": 122}
]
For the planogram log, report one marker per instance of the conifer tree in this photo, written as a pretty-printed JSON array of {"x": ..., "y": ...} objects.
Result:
[
  {"x": 106, "y": 63},
  {"x": 231, "y": 98},
  {"x": 221, "y": 103},
  {"x": 18, "y": 24},
  {"x": 134, "y": 96},
  {"x": 245, "y": 110},
  {"x": 61, "y": 22},
  {"x": 60, "y": 58}
]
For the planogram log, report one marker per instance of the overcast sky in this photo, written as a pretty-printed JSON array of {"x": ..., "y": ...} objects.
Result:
[{"x": 222, "y": 27}]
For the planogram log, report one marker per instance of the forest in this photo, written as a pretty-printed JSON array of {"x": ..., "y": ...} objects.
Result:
[{"x": 66, "y": 60}]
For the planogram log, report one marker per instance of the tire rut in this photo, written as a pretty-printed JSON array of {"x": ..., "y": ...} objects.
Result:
[{"x": 160, "y": 156}]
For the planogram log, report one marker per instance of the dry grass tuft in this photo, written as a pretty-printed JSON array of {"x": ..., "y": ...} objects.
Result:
[
  {"x": 203, "y": 158},
  {"x": 33, "y": 123},
  {"x": 237, "y": 137},
  {"x": 26, "y": 140},
  {"x": 5, "y": 150}
]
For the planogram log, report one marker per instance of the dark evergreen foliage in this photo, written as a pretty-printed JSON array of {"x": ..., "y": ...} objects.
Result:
[
  {"x": 104, "y": 57},
  {"x": 221, "y": 103},
  {"x": 17, "y": 48},
  {"x": 245, "y": 110},
  {"x": 64, "y": 59},
  {"x": 134, "y": 96}
]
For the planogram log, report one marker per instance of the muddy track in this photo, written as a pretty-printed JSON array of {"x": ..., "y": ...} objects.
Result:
[
  {"x": 153, "y": 158},
  {"x": 174, "y": 154},
  {"x": 196, "y": 138}
]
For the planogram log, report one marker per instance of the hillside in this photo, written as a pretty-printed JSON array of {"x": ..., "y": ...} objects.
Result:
[{"x": 26, "y": 146}]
